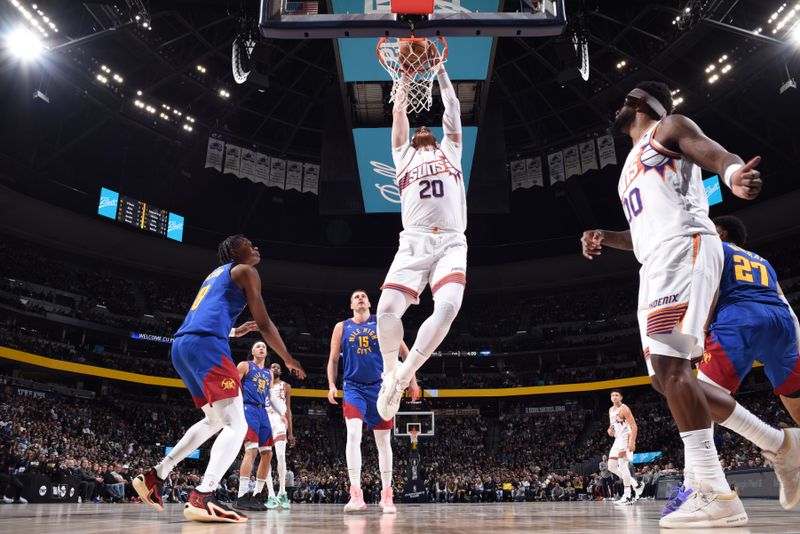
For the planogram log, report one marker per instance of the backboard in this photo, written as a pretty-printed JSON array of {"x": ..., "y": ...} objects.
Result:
[
  {"x": 424, "y": 422},
  {"x": 325, "y": 19}
]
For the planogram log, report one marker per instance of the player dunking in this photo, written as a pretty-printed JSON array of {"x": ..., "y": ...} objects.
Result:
[
  {"x": 622, "y": 427},
  {"x": 256, "y": 382},
  {"x": 281, "y": 432},
  {"x": 433, "y": 247},
  {"x": 355, "y": 339},
  {"x": 663, "y": 198},
  {"x": 201, "y": 355}
]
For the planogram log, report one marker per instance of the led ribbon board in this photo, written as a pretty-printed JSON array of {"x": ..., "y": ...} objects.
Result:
[
  {"x": 468, "y": 58},
  {"x": 376, "y": 167}
]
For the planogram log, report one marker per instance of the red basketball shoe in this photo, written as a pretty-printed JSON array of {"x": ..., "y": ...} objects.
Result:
[
  {"x": 204, "y": 507},
  {"x": 148, "y": 486}
]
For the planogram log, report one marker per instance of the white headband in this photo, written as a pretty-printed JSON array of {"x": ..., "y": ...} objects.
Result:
[{"x": 651, "y": 101}]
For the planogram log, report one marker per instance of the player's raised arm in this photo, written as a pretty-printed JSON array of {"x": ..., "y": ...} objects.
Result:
[
  {"x": 683, "y": 133},
  {"x": 400, "y": 126},
  {"x": 451, "y": 120},
  {"x": 246, "y": 277},
  {"x": 333, "y": 362}
]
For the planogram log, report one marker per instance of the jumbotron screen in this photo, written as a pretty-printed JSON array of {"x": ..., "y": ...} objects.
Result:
[{"x": 140, "y": 214}]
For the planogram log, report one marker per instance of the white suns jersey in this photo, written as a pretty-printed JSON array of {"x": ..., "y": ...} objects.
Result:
[
  {"x": 662, "y": 195},
  {"x": 622, "y": 428},
  {"x": 432, "y": 192},
  {"x": 278, "y": 392}
]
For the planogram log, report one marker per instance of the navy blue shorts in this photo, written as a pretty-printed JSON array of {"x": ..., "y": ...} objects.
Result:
[{"x": 205, "y": 366}]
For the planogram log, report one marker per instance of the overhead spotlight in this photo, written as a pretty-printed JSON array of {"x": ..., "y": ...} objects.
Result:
[
  {"x": 118, "y": 78},
  {"x": 24, "y": 44},
  {"x": 224, "y": 94},
  {"x": 201, "y": 69},
  {"x": 102, "y": 79},
  {"x": 138, "y": 93},
  {"x": 714, "y": 78}
]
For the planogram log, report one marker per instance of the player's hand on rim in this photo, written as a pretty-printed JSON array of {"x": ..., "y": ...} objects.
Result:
[
  {"x": 332, "y": 392},
  {"x": 592, "y": 243},
  {"x": 746, "y": 182}
]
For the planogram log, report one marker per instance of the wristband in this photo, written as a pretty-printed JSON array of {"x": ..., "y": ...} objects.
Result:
[
  {"x": 232, "y": 333},
  {"x": 728, "y": 176}
]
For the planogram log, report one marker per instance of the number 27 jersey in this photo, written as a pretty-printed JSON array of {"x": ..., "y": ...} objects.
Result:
[
  {"x": 431, "y": 184},
  {"x": 662, "y": 195}
]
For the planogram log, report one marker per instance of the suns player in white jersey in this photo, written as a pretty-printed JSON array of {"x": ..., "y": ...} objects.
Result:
[
  {"x": 622, "y": 427},
  {"x": 662, "y": 196},
  {"x": 281, "y": 433},
  {"x": 433, "y": 247}
]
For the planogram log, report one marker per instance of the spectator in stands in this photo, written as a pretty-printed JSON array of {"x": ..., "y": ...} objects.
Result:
[
  {"x": 87, "y": 481},
  {"x": 11, "y": 486}
]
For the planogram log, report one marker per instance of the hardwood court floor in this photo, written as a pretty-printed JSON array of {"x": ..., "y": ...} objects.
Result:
[{"x": 766, "y": 516}]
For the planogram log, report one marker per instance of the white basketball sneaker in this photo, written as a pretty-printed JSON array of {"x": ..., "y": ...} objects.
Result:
[
  {"x": 787, "y": 467},
  {"x": 390, "y": 395},
  {"x": 707, "y": 509},
  {"x": 639, "y": 490},
  {"x": 625, "y": 500}
]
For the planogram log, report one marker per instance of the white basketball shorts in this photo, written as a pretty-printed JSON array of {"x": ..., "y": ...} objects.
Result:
[
  {"x": 677, "y": 287},
  {"x": 278, "y": 428},
  {"x": 620, "y": 449},
  {"x": 427, "y": 257}
]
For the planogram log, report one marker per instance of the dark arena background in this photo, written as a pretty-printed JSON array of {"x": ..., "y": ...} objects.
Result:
[{"x": 136, "y": 135}]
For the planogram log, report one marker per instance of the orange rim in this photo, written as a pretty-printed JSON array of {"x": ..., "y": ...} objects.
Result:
[{"x": 442, "y": 53}]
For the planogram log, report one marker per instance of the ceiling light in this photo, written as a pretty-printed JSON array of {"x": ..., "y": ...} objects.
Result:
[
  {"x": 102, "y": 79},
  {"x": 24, "y": 44}
]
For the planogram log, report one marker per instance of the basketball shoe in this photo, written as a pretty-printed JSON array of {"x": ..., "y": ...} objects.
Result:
[
  {"x": 626, "y": 500},
  {"x": 283, "y": 500},
  {"x": 204, "y": 507},
  {"x": 356, "y": 502},
  {"x": 706, "y": 509},
  {"x": 639, "y": 490},
  {"x": 250, "y": 502},
  {"x": 271, "y": 503},
  {"x": 390, "y": 395},
  {"x": 676, "y": 498},
  {"x": 787, "y": 467},
  {"x": 387, "y": 501},
  {"x": 148, "y": 486}
]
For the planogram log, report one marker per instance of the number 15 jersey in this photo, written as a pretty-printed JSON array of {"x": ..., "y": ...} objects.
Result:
[
  {"x": 662, "y": 195},
  {"x": 431, "y": 184}
]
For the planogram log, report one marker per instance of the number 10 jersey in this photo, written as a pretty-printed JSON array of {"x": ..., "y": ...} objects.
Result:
[
  {"x": 662, "y": 195},
  {"x": 431, "y": 184}
]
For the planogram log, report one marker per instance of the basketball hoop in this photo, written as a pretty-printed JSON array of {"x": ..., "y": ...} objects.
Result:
[{"x": 412, "y": 63}]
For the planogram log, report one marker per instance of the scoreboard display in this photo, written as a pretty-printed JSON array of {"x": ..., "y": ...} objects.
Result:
[{"x": 145, "y": 216}]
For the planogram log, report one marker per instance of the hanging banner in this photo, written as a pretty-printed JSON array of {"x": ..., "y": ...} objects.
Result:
[
  {"x": 533, "y": 170},
  {"x": 277, "y": 173},
  {"x": 555, "y": 162},
  {"x": 588, "y": 157},
  {"x": 262, "y": 168},
  {"x": 215, "y": 154},
  {"x": 294, "y": 175},
  {"x": 572, "y": 161},
  {"x": 311, "y": 178},
  {"x": 233, "y": 159},
  {"x": 518, "y": 174},
  {"x": 606, "y": 151},
  {"x": 248, "y": 165}
]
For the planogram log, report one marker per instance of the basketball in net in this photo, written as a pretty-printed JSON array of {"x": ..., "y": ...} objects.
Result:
[{"x": 412, "y": 63}]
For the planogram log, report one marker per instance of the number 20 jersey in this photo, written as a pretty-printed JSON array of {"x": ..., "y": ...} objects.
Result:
[
  {"x": 431, "y": 184},
  {"x": 662, "y": 195}
]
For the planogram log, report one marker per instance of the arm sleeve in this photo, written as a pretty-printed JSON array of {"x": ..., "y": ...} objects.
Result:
[{"x": 451, "y": 121}]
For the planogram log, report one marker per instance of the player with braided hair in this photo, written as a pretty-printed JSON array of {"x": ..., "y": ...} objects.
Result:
[{"x": 201, "y": 355}]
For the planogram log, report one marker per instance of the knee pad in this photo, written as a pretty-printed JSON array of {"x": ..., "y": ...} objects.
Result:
[
  {"x": 445, "y": 312},
  {"x": 389, "y": 324}
]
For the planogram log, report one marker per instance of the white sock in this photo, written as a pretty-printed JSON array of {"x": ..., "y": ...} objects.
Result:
[
  {"x": 391, "y": 307},
  {"x": 270, "y": 487},
  {"x": 353, "y": 450},
  {"x": 383, "y": 440},
  {"x": 197, "y": 434},
  {"x": 280, "y": 453},
  {"x": 230, "y": 412},
  {"x": 431, "y": 333},
  {"x": 259, "y": 485},
  {"x": 244, "y": 484},
  {"x": 701, "y": 454},
  {"x": 750, "y": 427}
]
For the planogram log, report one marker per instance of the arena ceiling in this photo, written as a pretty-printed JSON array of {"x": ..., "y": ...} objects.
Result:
[{"x": 91, "y": 134}]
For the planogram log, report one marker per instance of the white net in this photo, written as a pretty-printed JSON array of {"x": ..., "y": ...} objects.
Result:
[{"x": 412, "y": 64}]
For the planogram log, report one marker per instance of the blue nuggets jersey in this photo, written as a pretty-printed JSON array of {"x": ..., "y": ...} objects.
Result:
[
  {"x": 746, "y": 278},
  {"x": 256, "y": 384},
  {"x": 362, "y": 357},
  {"x": 216, "y": 306}
]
